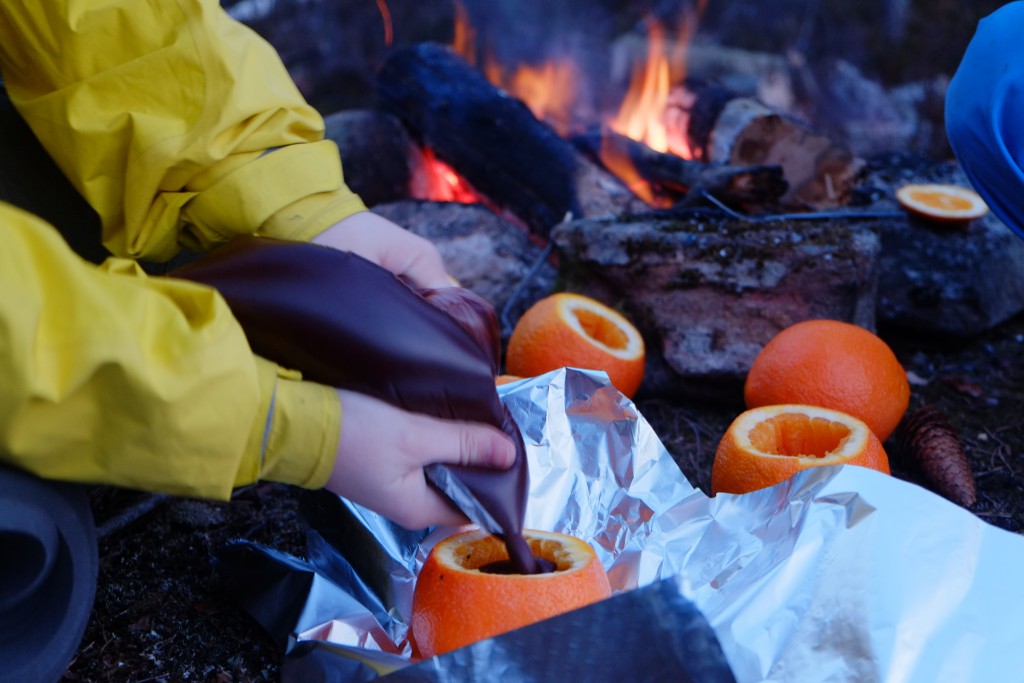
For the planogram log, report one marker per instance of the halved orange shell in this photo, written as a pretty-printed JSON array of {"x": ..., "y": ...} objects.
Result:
[
  {"x": 573, "y": 330},
  {"x": 942, "y": 202},
  {"x": 767, "y": 445}
]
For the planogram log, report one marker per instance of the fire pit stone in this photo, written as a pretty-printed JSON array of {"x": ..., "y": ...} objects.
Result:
[
  {"x": 484, "y": 252},
  {"x": 952, "y": 280},
  {"x": 708, "y": 292}
]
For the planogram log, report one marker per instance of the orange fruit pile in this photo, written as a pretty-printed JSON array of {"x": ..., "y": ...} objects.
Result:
[
  {"x": 764, "y": 446},
  {"x": 572, "y": 330},
  {"x": 835, "y": 365},
  {"x": 456, "y": 604},
  {"x": 942, "y": 202}
]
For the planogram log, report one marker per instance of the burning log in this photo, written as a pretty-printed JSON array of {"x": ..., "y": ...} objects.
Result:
[
  {"x": 724, "y": 128},
  {"x": 494, "y": 140},
  {"x": 744, "y": 187}
]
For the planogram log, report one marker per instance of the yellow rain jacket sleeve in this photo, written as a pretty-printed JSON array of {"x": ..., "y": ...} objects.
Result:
[
  {"x": 180, "y": 126},
  {"x": 110, "y": 376},
  {"x": 182, "y": 129}
]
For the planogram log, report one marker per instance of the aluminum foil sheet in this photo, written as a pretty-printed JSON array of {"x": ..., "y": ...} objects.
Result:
[{"x": 839, "y": 574}]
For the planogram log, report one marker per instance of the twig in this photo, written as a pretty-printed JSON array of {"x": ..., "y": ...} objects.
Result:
[
  {"x": 809, "y": 216},
  {"x": 506, "y": 311},
  {"x": 131, "y": 514}
]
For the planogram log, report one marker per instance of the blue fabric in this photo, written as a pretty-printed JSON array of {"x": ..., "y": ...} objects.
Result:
[{"x": 985, "y": 113}]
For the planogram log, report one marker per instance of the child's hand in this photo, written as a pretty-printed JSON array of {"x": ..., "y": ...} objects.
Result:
[
  {"x": 390, "y": 246},
  {"x": 382, "y": 451}
]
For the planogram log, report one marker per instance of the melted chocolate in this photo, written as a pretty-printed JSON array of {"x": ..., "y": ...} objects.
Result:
[
  {"x": 522, "y": 558},
  {"x": 346, "y": 322}
]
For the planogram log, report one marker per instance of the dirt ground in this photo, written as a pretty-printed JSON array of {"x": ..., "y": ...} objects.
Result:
[{"x": 161, "y": 613}]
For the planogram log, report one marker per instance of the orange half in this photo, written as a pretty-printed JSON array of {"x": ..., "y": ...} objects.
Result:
[
  {"x": 456, "y": 604},
  {"x": 942, "y": 202},
  {"x": 572, "y": 330},
  {"x": 767, "y": 445}
]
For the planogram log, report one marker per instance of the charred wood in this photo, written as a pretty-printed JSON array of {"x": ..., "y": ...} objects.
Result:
[
  {"x": 743, "y": 187},
  {"x": 492, "y": 139},
  {"x": 725, "y": 128}
]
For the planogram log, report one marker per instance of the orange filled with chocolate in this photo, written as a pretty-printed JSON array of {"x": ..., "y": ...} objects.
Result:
[{"x": 468, "y": 590}]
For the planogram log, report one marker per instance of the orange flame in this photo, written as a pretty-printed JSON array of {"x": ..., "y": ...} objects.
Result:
[
  {"x": 645, "y": 113},
  {"x": 385, "y": 15},
  {"x": 464, "y": 40},
  {"x": 642, "y": 113},
  {"x": 549, "y": 90},
  {"x": 616, "y": 159}
]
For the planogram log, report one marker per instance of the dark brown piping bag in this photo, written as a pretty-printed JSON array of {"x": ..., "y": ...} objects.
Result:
[{"x": 346, "y": 322}]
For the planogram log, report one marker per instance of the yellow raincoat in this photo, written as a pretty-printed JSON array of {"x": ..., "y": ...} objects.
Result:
[{"x": 182, "y": 128}]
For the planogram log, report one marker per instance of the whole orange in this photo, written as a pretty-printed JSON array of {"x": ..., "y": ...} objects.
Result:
[
  {"x": 832, "y": 364},
  {"x": 767, "y": 445},
  {"x": 456, "y": 604},
  {"x": 572, "y": 330}
]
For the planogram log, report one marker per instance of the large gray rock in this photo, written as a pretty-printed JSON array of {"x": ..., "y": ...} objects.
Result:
[
  {"x": 487, "y": 254},
  {"x": 379, "y": 159},
  {"x": 950, "y": 280},
  {"x": 707, "y": 293}
]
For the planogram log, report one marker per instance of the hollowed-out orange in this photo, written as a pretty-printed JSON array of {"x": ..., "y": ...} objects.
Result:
[
  {"x": 767, "y": 445},
  {"x": 572, "y": 330}
]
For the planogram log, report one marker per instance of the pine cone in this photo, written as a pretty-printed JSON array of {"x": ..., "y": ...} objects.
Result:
[{"x": 930, "y": 444}]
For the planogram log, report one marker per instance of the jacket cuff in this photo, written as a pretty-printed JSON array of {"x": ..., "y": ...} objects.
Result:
[
  {"x": 242, "y": 201},
  {"x": 294, "y": 439},
  {"x": 308, "y": 217}
]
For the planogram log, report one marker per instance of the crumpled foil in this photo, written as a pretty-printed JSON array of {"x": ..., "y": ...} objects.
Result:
[{"x": 838, "y": 574}]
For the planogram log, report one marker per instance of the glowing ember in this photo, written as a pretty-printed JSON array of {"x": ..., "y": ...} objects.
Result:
[{"x": 441, "y": 183}]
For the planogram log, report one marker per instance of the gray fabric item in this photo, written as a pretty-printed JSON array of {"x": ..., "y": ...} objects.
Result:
[{"x": 48, "y": 566}]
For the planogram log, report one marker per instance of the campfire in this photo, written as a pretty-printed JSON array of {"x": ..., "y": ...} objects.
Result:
[{"x": 670, "y": 139}]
